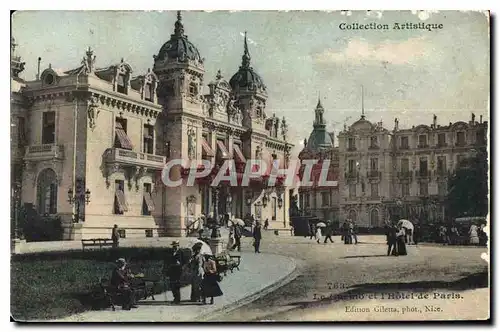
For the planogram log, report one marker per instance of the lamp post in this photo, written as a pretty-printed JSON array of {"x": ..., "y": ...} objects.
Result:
[
  {"x": 280, "y": 205},
  {"x": 76, "y": 199}
]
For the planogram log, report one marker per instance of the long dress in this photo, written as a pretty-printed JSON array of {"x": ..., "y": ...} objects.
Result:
[
  {"x": 473, "y": 236},
  {"x": 196, "y": 266},
  {"x": 210, "y": 286},
  {"x": 400, "y": 242}
]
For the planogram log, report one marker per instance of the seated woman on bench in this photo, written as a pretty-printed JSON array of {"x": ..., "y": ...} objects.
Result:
[{"x": 120, "y": 278}]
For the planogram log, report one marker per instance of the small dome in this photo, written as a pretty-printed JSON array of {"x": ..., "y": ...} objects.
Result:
[
  {"x": 362, "y": 124},
  {"x": 246, "y": 77},
  {"x": 318, "y": 140},
  {"x": 179, "y": 47}
]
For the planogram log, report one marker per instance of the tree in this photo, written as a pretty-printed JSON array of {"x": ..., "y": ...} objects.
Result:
[{"x": 468, "y": 187}]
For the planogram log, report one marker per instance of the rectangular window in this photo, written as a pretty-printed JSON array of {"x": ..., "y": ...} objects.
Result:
[
  {"x": 422, "y": 141},
  {"x": 352, "y": 190},
  {"x": 147, "y": 202},
  {"x": 149, "y": 132},
  {"x": 460, "y": 160},
  {"x": 405, "y": 165},
  {"x": 424, "y": 189},
  {"x": 352, "y": 166},
  {"x": 374, "y": 164},
  {"x": 325, "y": 199},
  {"x": 442, "y": 139},
  {"x": 120, "y": 205},
  {"x": 149, "y": 232},
  {"x": 273, "y": 207},
  {"x": 148, "y": 92},
  {"x": 121, "y": 84},
  {"x": 460, "y": 138},
  {"x": 405, "y": 189},
  {"x": 423, "y": 166},
  {"x": 121, "y": 138},
  {"x": 306, "y": 200},
  {"x": 21, "y": 132},
  {"x": 374, "y": 142},
  {"x": 167, "y": 149},
  {"x": 442, "y": 188},
  {"x": 404, "y": 142},
  {"x": 49, "y": 127},
  {"x": 441, "y": 164},
  {"x": 351, "y": 144},
  {"x": 374, "y": 190}
]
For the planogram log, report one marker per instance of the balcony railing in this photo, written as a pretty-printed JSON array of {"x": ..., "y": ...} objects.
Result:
[
  {"x": 422, "y": 173},
  {"x": 404, "y": 147},
  {"x": 423, "y": 146},
  {"x": 442, "y": 145},
  {"x": 441, "y": 172},
  {"x": 351, "y": 148},
  {"x": 374, "y": 147},
  {"x": 460, "y": 143},
  {"x": 44, "y": 152},
  {"x": 127, "y": 157},
  {"x": 373, "y": 174},
  {"x": 404, "y": 175}
]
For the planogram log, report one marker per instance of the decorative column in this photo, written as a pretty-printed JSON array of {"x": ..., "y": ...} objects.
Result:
[{"x": 215, "y": 201}]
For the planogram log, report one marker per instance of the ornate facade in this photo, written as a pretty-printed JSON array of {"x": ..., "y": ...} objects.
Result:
[
  {"x": 96, "y": 140},
  {"x": 402, "y": 173}
]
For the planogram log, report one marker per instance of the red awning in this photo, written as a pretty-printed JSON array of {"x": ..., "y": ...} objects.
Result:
[
  {"x": 149, "y": 202},
  {"x": 238, "y": 155},
  {"x": 223, "y": 150},
  {"x": 122, "y": 203},
  {"x": 122, "y": 137},
  {"x": 207, "y": 150}
]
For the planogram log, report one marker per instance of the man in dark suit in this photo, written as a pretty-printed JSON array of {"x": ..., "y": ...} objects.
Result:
[
  {"x": 257, "y": 236},
  {"x": 174, "y": 264},
  {"x": 237, "y": 237},
  {"x": 115, "y": 236},
  {"x": 120, "y": 279},
  {"x": 328, "y": 231},
  {"x": 391, "y": 239}
]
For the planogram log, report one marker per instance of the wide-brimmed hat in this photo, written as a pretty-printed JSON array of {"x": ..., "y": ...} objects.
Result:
[
  {"x": 121, "y": 261},
  {"x": 175, "y": 243}
]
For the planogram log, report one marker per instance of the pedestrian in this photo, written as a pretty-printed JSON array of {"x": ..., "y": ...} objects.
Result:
[
  {"x": 120, "y": 279},
  {"x": 173, "y": 269},
  {"x": 391, "y": 239},
  {"x": 454, "y": 235},
  {"x": 473, "y": 235},
  {"x": 312, "y": 229},
  {"x": 115, "y": 236},
  {"x": 210, "y": 285},
  {"x": 443, "y": 236},
  {"x": 328, "y": 231},
  {"x": 400, "y": 241},
  {"x": 257, "y": 236},
  {"x": 352, "y": 232},
  {"x": 230, "y": 240},
  {"x": 237, "y": 237},
  {"x": 318, "y": 234},
  {"x": 266, "y": 224},
  {"x": 196, "y": 272}
]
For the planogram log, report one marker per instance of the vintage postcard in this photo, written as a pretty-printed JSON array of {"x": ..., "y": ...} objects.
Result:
[{"x": 287, "y": 166}]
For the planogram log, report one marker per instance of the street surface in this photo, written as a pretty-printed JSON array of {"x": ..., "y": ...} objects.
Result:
[{"x": 454, "y": 279}]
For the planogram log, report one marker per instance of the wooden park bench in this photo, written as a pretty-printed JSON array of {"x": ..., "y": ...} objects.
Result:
[
  {"x": 94, "y": 243},
  {"x": 113, "y": 296},
  {"x": 226, "y": 261}
]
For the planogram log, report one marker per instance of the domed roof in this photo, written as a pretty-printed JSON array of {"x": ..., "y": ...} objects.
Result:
[
  {"x": 319, "y": 139},
  {"x": 179, "y": 47},
  {"x": 362, "y": 124},
  {"x": 246, "y": 77}
]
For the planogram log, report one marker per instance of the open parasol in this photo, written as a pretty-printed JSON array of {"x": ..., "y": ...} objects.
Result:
[
  {"x": 238, "y": 221},
  {"x": 406, "y": 224},
  {"x": 205, "y": 248},
  {"x": 321, "y": 224}
]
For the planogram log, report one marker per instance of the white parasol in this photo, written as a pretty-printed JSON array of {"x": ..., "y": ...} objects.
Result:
[
  {"x": 238, "y": 221},
  {"x": 205, "y": 248},
  {"x": 406, "y": 224},
  {"x": 321, "y": 224}
]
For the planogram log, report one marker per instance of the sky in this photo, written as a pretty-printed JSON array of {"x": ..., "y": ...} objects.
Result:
[{"x": 301, "y": 56}]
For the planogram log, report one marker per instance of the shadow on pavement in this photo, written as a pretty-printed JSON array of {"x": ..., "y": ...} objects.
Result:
[
  {"x": 364, "y": 256},
  {"x": 471, "y": 281}
]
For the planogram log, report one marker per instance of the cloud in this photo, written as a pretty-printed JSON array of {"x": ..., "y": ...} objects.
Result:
[{"x": 388, "y": 52}]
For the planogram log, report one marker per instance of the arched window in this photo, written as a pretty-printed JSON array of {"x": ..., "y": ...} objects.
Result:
[
  {"x": 353, "y": 215},
  {"x": 374, "y": 218},
  {"x": 47, "y": 192}
]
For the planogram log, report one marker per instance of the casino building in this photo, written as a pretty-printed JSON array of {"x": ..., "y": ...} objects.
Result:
[{"x": 89, "y": 144}]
